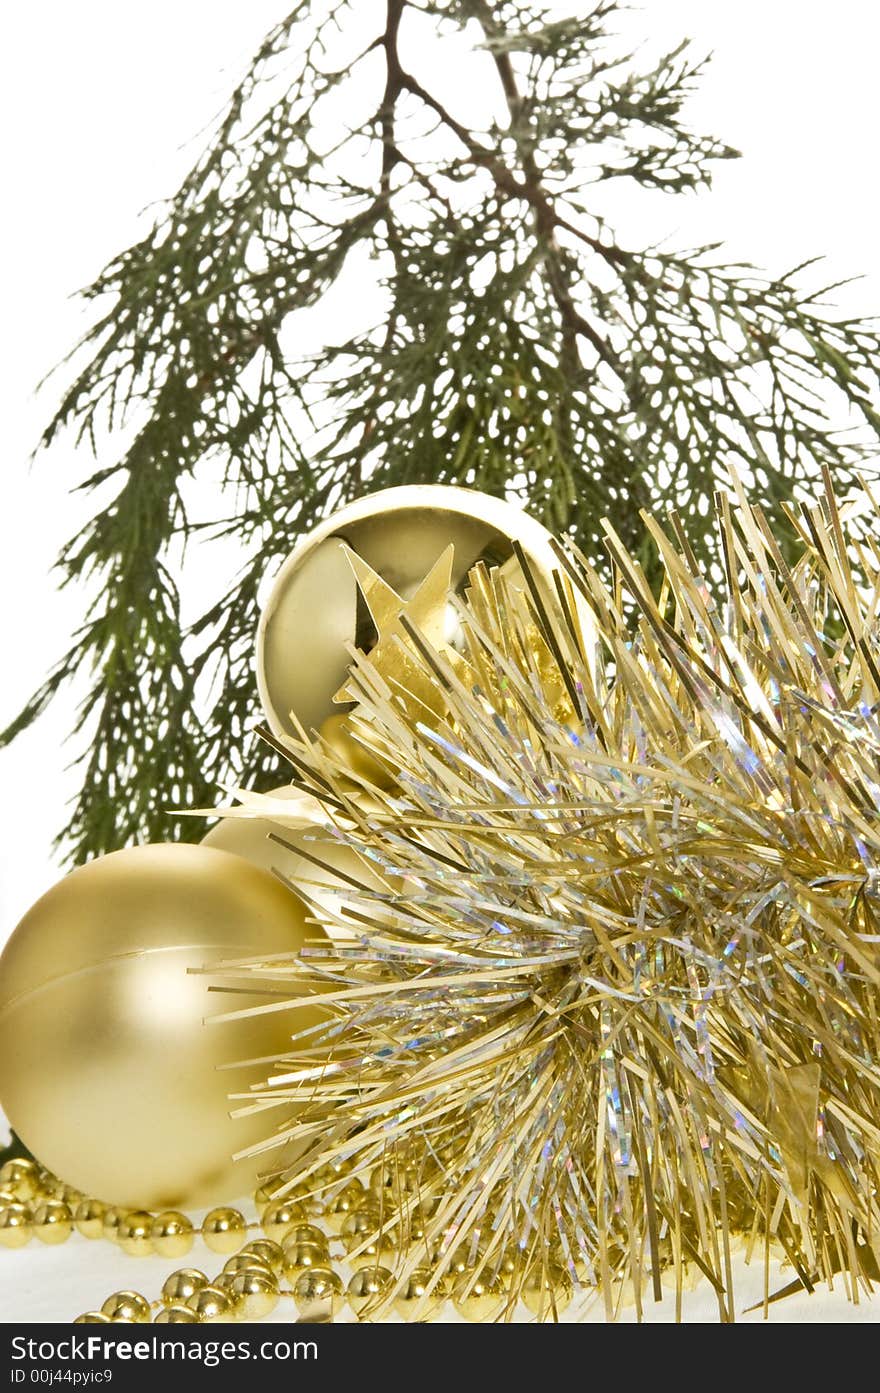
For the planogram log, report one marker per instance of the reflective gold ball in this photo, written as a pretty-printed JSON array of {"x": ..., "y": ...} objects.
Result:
[
  {"x": 211, "y": 1304},
  {"x": 89, "y": 1218},
  {"x": 254, "y": 1294},
  {"x": 279, "y": 1217},
  {"x": 421, "y": 1295},
  {"x": 264, "y": 1250},
  {"x": 172, "y": 1234},
  {"x": 52, "y": 1222},
  {"x": 367, "y": 1288},
  {"x": 127, "y": 1306},
  {"x": 101, "y": 1021},
  {"x": 250, "y": 837},
  {"x": 15, "y": 1226},
  {"x": 179, "y": 1286},
  {"x": 224, "y": 1230},
  {"x": 318, "y": 1293},
  {"x": 22, "y": 1176},
  {"x": 134, "y": 1233},
  {"x": 174, "y": 1315},
  {"x": 313, "y": 611}
]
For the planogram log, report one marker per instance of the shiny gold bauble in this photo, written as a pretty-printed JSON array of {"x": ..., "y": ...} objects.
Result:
[
  {"x": 250, "y": 837},
  {"x": 211, "y": 1304},
  {"x": 113, "y": 1217},
  {"x": 224, "y": 1230},
  {"x": 299, "y": 1256},
  {"x": 15, "y": 1226},
  {"x": 479, "y": 1298},
  {"x": 367, "y": 1287},
  {"x": 172, "y": 1234},
  {"x": 304, "y": 1233},
  {"x": 351, "y": 1197},
  {"x": 318, "y": 1293},
  {"x": 279, "y": 1217},
  {"x": 22, "y": 1176},
  {"x": 547, "y": 1291},
  {"x": 254, "y": 1294},
  {"x": 100, "y": 1022},
  {"x": 134, "y": 1233},
  {"x": 314, "y": 610},
  {"x": 94, "y": 1318},
  {"x": 413, "y": 1299},
  {"x": 183, "y": 1284},
  {"x": 89, "y": 1218},
  {"x": 52, "y": 1222},
  {"x": 176, "y": 1314},
  {"x": 265, "y": 1250},
  {"x": 127, "y": 1306}
]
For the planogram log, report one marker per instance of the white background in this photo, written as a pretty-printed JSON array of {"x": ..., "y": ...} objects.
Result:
[{"x": 100, "y": 106}]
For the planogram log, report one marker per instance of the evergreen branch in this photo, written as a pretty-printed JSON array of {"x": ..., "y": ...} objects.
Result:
[{"x": 522, "y": 350}]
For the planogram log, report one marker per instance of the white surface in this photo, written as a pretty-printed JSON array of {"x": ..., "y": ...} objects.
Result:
[
  {"x": 97, "y": 104},
  {"x": 46, "y": 1284}
]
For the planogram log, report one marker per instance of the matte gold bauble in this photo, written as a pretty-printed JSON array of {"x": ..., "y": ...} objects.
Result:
[
  {"x": 108, "y": 1071},
  {"x": 311, "y": 838},
  {"x": 314, "y": 610}
]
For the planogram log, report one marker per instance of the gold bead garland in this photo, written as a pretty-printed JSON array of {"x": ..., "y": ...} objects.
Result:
[{"x": 367, "y": 1223}]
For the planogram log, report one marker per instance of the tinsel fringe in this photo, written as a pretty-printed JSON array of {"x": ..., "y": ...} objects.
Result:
[{"x": 617, "y": 1010}]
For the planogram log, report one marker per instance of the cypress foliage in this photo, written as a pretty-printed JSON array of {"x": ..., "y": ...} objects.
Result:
[{"x": 523, "y": 349}]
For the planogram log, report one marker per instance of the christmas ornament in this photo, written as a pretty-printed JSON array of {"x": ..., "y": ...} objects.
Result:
[
  {"x": 623, "y": 1016},
  {"x": 107, "y": 1070},
  {"x": 315, "y": 614},
  {"x": 298, "y": 841}
]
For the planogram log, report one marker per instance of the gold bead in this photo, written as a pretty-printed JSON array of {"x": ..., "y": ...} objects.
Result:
[
  {"x": 361, "y": 1232},
  {"x": 254, "y": 1294},
  {"x": 172, "y": 1234},
  {"x": 318, "y": 1292},
  {"x": 224, "y": 1230},
  {"x": 15, "y": 1225},
  {"x": 463, "y": 1261},
  {"x": 182, "y": 1284},
  {"x": 113, "y": 1217},
  {"x": 508, "y": 1265},
  {"x": 546, "y": 1290},
  {"x": 246, "y": 1262},
  {"x": 22, "y": 1176},
  {"x": 416, "y": 1224},
  {"x": 8, "y": 1197},
  {"x": 331, "y": 1172},
  {"x": 176, "y": 1314},
  {"x": 92, "y": 1318},
  {"x": 478, "y": 1298},
  {"x": 269, "y": 1252},
  {"x": 265, "y": 1195},
  {"x": 68, "y": 1193},
  {"x": 344, "y": 1202},
  {"x": 367, "y": 1288},
  {"x": 279, "y": 1217},
  {"x": 127, "y": 1306},
  {"x": 312, "y": 1204},
  {"x": 53, "y": 1222},
  {"x": 305, "y": 1233},
  {"x": 298, "y": 1256},
  {"x": 133, "y": 1233},
  {"x": 89, "y": 1218},
  {"x": 210, "y": 1304},
  {"x": 395, "y": 1182},
  {"x": 413, "y": 1298}
]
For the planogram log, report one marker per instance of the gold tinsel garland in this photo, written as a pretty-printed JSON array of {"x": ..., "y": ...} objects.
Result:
[{"x": 618, "y": 1009}]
